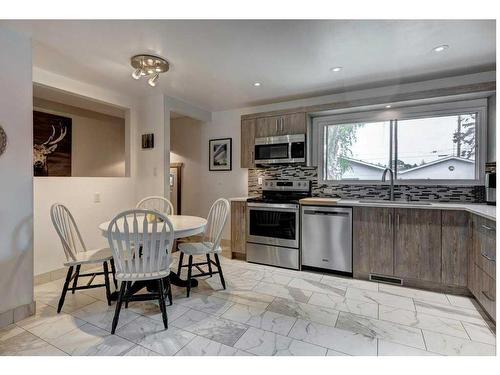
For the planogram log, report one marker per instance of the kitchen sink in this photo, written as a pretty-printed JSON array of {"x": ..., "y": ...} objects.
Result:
[{"x": 381, "y": 201}]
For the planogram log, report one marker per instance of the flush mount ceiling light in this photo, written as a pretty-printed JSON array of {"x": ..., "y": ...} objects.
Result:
[
  {"x": 148, "y": 65},
  {"x": 388, "y": 106},
  {"x": 336, "y": 69},
  {"x": 441, "y": 48},
  {"x": 257, "y": 84}
]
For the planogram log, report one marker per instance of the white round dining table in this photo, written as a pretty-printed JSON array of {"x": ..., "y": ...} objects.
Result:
[{"x": 184, "y": 225}]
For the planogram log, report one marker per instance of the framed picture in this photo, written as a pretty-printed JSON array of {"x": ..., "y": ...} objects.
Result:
[
  {"x": 220, "y": 154},
  {"x": 148, "y": 141},
  {"x": 51, "y": 145}
]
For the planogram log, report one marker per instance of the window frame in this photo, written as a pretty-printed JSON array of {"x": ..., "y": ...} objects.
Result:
[{"x": 478, "y": 106}]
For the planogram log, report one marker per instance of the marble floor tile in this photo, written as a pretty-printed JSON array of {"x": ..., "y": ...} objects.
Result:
[
  {"x": 381, "y": 330},
  {"x": 283, "y": 291},
  {"x": 347, "y": 282},
  {"x": 153, "y": 336},
  {"x": 423, "y": 321},
  {"x": 101, "y": 315},
  {"x": 387, "y": 348},
  {"x": 260, "y": 342},
  {"x": 55, "y": 326},
  {"x": 334, "y": 353},
  {"x": 450, "y": 345},
  {"x": 260, "y": 318},
  {"x": 201, "y": 346},
  {"x": 90, "y": 340},
  {"x": 306, "y": 275},
  {"x": 232, "y": 283},
  {"x": 140, "y": 351},
  {"x": 50, "y": 293},
  {"x": 480, "y": 333},
  {"x": 449, "y": 311},
  {"x": 246, "y": 297},
  {"x": 151, "y": 309},
  {"x": 318, "y": 314},
  {"x": 380, "y": 298},
  {"x": 317, "y": 287},
  {"x": 350, "y": 305},
  {"x": 461, "y": 301},
  {"x": 422, "y": 295},
  {"x": 277, "y": 278},
  {"x": 217, "y": 329},
  {"x": 26, "y": 344},
  {"x": 209, "y": 304},
  {"x": 333, "y": 338},
  {"x": 10, "y": 331}
]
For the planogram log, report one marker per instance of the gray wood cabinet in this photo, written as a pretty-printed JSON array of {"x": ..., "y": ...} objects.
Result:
[
  {"x": 247, "y": 143},
  {"x": 417, "y": 244},
  {"x": 238, "y": 229},
  {"x": 456, "y": 241},
  {"x": 373, "y": 234}
]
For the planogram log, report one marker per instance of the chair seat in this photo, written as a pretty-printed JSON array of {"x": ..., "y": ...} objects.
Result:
[
  {"x": 122, "y": 276},
  {"x": 198, "y": 248},
  {"x": 91, "y": 256}
]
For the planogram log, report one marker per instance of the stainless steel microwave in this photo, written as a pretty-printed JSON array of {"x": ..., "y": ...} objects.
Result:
[{"x": 280, "y": 149}]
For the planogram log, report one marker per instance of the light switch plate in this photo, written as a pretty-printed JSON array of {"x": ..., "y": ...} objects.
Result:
[
  {"x": 97, "y": 197},
  {"x": 259, "y": 180}
]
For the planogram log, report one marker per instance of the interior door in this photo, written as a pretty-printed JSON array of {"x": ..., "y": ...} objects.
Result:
[{"x": 175, "y": 186}]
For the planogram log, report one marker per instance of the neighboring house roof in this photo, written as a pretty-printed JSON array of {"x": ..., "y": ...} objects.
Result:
[
  {"x": 375, "y": 166},
  {"x": 438, "y": 161}
]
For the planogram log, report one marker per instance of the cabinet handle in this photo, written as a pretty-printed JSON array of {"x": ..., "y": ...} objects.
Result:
[
  {"x": 390, "y": 220},
  {"x": 397, "y": 220},
  {"x": 282, "y": 124},
  {"x": 492, "y": 259},
  {"x": 487, "y": 227},
  {"x": 488, "y": 296},
  {"x": 277, "y": 125}
]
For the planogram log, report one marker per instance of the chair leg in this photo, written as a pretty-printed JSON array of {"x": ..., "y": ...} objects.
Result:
[
  {"x": 75, "y": 280},
  {"x": 179, "y": 268},
  {"x": 169, "y": 290},
  {"x": 129, "y": 285},
  {"x": 118, "y": 307},
  {"x": 65, "y": 289},
  {"x": 161, "y": 301},
  {"x": 209, "y": 265},
  {"x": 113, "y": 272},
  {"x": 220, "y": 271},
  {"x": 190, "y": 269},
  {"x": 106, "y": 282}
]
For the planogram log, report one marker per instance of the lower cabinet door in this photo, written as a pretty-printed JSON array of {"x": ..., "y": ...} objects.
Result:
[
  {"x": 373, "y": 240},
  {"x": 484, "y": 289},
  {"x": 417, "y": 244}
]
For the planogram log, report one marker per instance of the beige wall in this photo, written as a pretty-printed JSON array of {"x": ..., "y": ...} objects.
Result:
[
  {"x": 185, "y": 147},
  {"x": 98, "y": 140},
  {"x": 16, "y": 178}
]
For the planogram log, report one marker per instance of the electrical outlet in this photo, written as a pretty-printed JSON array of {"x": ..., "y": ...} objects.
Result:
[
  {"x": 259, "y": 180},
  {"x": 155, "y": 171},
  {"x": 328, "y": 191},
  {"x": 97, "y": 197}
]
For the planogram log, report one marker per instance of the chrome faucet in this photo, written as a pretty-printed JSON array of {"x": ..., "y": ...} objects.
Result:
[{"x": 391, "y": 172}]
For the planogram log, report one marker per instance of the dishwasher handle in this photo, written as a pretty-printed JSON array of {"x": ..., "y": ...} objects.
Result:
[{"x": 329, "y": 213}]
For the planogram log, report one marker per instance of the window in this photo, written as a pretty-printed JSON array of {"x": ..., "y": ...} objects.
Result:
[{"x": 434, "y": 144}]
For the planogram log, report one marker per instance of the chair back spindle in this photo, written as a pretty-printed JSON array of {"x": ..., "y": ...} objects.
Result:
[
  {"x": 67, "y": 230},
  {"x": 158, "y": 204},
  {"x": 216, "y": 220}
]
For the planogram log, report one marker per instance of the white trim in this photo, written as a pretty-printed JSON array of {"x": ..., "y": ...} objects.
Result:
[{"x": 478, "y": 106}]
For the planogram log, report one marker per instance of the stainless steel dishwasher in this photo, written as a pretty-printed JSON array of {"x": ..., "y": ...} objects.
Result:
[{"x": 326, "y": 240}]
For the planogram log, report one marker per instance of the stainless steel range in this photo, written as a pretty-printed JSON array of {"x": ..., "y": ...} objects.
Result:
[{"x": 273, "y": 223}]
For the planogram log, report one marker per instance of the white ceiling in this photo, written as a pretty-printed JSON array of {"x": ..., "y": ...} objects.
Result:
[{"x": 215, "y": 62}]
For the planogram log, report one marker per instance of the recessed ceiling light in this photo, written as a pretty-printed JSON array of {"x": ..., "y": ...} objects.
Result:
[
  {"x": 257, "y": 84},
  {"x": 441, "y": 48},
  {"x": 388, "y": 106},
  {"x": 336, "y": 69}
]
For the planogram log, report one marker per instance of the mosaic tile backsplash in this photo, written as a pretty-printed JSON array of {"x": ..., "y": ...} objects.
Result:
[{"x": 474, "y": 194}]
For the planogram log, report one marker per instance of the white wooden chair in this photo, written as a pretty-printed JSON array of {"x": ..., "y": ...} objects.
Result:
[
  {"x": 210, "y": 244},
  {"x": 142, "y": 252},
  {"x": 77, "y": 254},
  {"x": 157, "y": 203}
]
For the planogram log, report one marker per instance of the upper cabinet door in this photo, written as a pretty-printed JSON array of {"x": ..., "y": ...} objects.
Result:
[
  {"x": 294, "y": 123},
  {"x": 247, "y": 143},
  {"x": 417, "y": 244},
  {"x": 267, "y": 126}
]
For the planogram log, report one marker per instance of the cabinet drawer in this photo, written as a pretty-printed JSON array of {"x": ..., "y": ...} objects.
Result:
[
  {"x": 484, "y": 289},
  {"x": 485, "y": 245}
]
